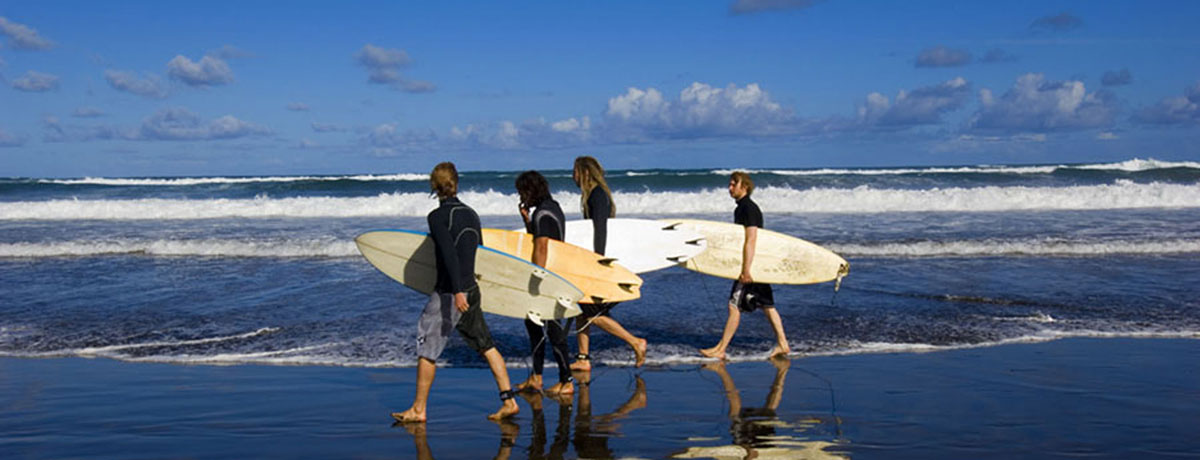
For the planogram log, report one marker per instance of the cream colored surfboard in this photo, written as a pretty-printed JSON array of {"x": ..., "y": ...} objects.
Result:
[
  {"x": 641, "y": 245},
  {"x": 778, "y": 258},
  {"x": 600, "y": 279},
  {"x": 508, "y": 285}
]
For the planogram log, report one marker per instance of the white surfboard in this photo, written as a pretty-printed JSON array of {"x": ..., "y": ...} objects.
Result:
[
  {"x": 641, "y": 245},
  {"x": 778, "y": 258},
  {"x": 508, "y": 285}
]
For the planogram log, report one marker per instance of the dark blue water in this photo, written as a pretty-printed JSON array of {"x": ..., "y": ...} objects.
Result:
[{"x": 264, "y": 270}]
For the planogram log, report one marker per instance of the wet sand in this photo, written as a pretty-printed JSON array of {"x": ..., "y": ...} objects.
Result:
[{"x": 1104, "y": 398}]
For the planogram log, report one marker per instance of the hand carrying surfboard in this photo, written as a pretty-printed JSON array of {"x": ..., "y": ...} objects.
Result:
[
  {"x": 641, "y": 245},
  {"x": 598, "y": 277},
  {"x": 778, "y": 258},
  {"x": 508, "y": 285}
]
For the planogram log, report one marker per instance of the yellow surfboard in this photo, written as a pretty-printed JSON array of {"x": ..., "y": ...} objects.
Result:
[{"x": 601, "y": 279}]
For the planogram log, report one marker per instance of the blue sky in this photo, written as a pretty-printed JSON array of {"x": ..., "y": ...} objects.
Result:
[{"x": 124, "y": 88}]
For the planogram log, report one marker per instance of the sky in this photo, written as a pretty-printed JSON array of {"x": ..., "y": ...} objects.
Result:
[{"x": 151, "y": 88}]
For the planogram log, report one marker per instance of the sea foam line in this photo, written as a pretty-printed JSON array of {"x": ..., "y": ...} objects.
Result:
[
  {"x": 1134, "y": 165},
  {"x": 189, "y": 181},
  {"x": 1016, "y": 248},
  {"x": 1122, "y": 194}
]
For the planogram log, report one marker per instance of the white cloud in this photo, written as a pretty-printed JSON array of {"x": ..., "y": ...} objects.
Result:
[
  {"x": 150, "y": 87},
  {"x": 178, "y": 124},
  {"x": 23, "y": 36},
  {"x": 208, "y": 71},
  {"x": 920, "y": 106},
  {"x": 1034, "y": 104},
  {"x": 36, "y": 82},
  {"x": 1107, "y": 136},
  {"x": 298, "y": 107},
  {"x": 756, "y": 6},
  {"x": 700, "y": 111},
  {"x": 1176, "y": 110},
  {"x": 383, "y": 68},
  {"x": 941, "y": 56}
]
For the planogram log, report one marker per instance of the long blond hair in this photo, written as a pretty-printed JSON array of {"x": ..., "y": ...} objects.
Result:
[{"x": 591, "y": 174}]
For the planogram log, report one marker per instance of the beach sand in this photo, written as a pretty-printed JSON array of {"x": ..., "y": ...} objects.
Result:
[{"x": 1113, "y": 398}]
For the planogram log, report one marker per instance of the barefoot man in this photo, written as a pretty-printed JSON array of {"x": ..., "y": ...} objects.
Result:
[
  {"x": 746, "y": 295},
  {"x": 455, "y": 301}
]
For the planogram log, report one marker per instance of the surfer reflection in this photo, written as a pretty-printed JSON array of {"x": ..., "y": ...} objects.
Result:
[
  {"x": 508, "y": 438},
  {"x": 537, "y": 443},
  {"x": 592, "y": 433}
]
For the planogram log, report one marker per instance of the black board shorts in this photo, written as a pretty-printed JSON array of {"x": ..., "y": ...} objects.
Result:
[
  {"x": 593, "y": 310},
  {"x": 440, "y": 316},
  {"x": 750, "y": 297}
]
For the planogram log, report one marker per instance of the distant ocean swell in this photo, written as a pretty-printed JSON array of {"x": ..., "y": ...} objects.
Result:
[
  {"x": 1121, "y": 194},
  {"x": 327, "y": 247}
]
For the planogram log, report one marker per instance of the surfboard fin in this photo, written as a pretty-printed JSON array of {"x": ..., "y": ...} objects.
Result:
[
  {"x": 843, "y": 270},
  {"x": 539, "y": 273},
  {"x": 535, "y": 318},
  {"x": 695, "y": 242},
  {"x": 672, "y": 226},
  {"x": 607, "y": 261},
  {"x": 597, "y": 299},
  {"x": 627, "y": 286},
  {"x": 677, "y": 259},
  {"x": 567, "y": 303}
]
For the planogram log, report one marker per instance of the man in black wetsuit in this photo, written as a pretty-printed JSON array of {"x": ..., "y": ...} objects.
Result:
[
  {"x": 455, "y": 301},
  {"x": 746, "y": 295},
  {"x": 545, "y": 222}
]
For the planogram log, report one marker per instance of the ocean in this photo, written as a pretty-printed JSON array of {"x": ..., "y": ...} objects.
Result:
[{"x": 263, "y": 270}]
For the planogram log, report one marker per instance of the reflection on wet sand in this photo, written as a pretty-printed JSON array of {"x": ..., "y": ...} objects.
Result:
[
  {"x": 757, "y": 432},
  {"x": 592, "y": 433}
]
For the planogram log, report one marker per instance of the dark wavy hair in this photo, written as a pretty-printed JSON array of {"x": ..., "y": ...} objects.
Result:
[{"x": 532, "y": 188}]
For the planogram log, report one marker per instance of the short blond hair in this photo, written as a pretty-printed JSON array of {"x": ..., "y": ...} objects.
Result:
[
  {"x": 743, "y": 178},
  {"x": 444, "y": 180}
]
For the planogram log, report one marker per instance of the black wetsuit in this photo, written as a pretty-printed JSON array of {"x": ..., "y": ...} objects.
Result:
[
  {"x": 547, "y": 220},
  {"x": 598, "y": 209},
  {"x": 455, "y": 230},
  {"x": 754, "y": 295}
]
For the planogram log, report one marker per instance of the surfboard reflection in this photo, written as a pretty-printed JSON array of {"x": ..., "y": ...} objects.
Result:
[{"x": 758, "y": 432}]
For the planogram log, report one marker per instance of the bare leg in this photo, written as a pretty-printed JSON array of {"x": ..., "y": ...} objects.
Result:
[
  {"x": 425, "y": 373},
  {"x": 500, "y": 373},
  {"x": 731, "y": 325},
  {"x": 583, "y": 340},
  {"x": 611, "y": 326},
  {"x": 781, "y": 343}
]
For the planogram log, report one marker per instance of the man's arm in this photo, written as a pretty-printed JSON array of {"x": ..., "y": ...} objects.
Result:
[
  {"x": 541, "y": 247},
  {"x": 748, "y": 254},
  {"x": 448, "y": 257}
]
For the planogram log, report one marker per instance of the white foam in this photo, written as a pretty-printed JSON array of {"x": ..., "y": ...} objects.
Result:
[
  {"x": 864, "y": 199},
  {"x": 325, "y": 247},
  {"x": 186, "y": 181},
  {"x": 1134, "y": 165},
  {"x": 1016, "y": 248}
]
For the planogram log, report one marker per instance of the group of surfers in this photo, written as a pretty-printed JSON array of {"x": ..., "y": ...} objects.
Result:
[{"x": 455, "y": 303}]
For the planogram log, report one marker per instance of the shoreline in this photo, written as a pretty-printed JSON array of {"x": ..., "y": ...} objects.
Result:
[{"x": 1067, "y": 397}]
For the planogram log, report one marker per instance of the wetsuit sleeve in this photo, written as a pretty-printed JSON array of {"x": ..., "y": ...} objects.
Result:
[
  {"x": 599, "y": 208},
  {"x": 546, "y": 226},
  {"x": 446, "y": 253}
]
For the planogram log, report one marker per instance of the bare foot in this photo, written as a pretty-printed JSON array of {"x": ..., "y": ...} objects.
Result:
[
  {"x": 780, "y": 351},
  {"x": 562, "y": 388},
  {"x": 713, "y": 353},
  {"x": 509, "y": 409},
  {"x": 409, "y": 416},
  {"x": 582, "y": 365},
  {"x": 533, "y": 384},
  {"x": 639, "y": 353}
]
